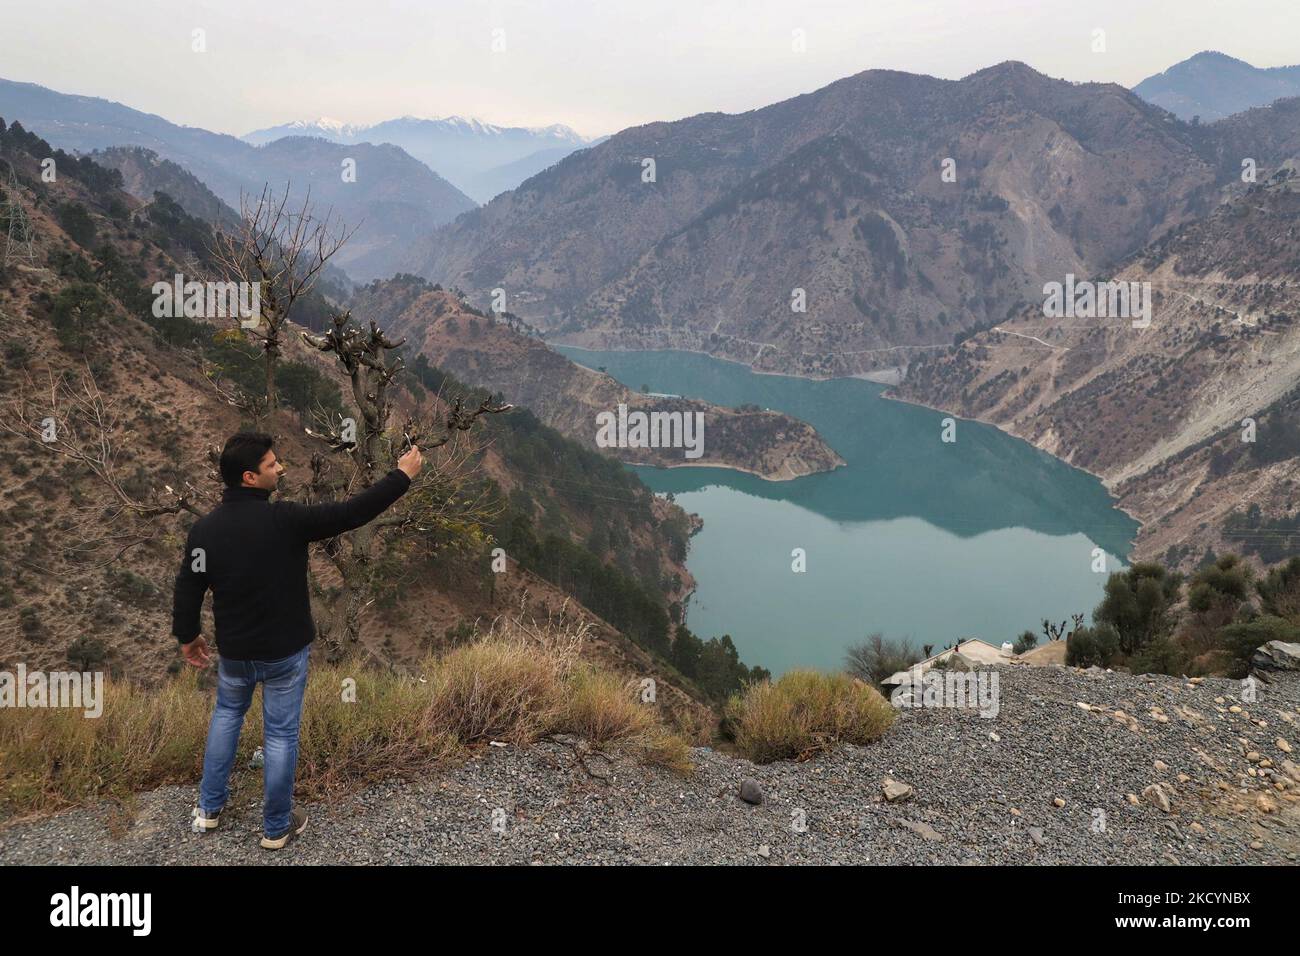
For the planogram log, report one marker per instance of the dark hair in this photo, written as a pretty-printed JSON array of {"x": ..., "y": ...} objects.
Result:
[{"x": 243, "y": 452}]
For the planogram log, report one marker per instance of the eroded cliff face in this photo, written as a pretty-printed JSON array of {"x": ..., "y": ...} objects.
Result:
[
  {"x": 1187, "y": 420},
  {"x": 482, "y": 350}
]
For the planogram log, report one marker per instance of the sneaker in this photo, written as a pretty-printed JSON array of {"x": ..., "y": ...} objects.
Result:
[
  {"x": 201, "y": 820},
  {"x": 296, "y": 826}
]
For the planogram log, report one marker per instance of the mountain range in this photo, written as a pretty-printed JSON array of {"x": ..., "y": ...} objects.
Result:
[
  {"x": 704, "y": 234},
  {"x": 1211, "y": 86},
  {"x": 887, "y": 224},
  {"x": 481, "y": 159},
  {"x": 1193, "y": 422},
  {"x": 841, "y": 231},
  {"x": 394, "y": 199}
]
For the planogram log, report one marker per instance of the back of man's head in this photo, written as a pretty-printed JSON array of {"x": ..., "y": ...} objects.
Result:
[{"x": 243, "y": 452}]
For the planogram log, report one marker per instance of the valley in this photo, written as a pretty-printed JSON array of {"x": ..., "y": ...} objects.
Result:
[
  {"x": 703, "y": 434},
  {"x": 498, "y": 354},
  {"x": 915, "y": 538}
]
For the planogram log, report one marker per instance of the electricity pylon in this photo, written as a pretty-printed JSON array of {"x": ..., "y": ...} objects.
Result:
[{"x": 18, "y": 239}]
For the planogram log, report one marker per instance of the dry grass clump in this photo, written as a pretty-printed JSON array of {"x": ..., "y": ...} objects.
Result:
[
  {"x": 804, "y": 713},
  {"x": 517, "y": 683}
]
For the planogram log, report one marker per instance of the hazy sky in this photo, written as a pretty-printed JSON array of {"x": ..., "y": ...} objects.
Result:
[{"x": 597, "y": 65}]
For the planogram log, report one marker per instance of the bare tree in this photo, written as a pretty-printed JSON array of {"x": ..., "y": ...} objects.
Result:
[
  {"x": 876, "y": 659},
  {"x": 1057, "y": 632},
  {"x": 439, "y": 497},
  {"x": 285, "y": 252},
  {"x": 282, "y": 252}
]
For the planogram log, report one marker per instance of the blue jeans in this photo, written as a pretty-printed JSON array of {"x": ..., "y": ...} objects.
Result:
[{"x": 283, "y": 683}]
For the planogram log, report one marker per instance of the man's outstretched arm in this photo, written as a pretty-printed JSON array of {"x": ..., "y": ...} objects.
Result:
[{"x": 319, "y": 522}]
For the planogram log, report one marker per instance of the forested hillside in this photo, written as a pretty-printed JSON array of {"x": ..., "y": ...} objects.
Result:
[{"x": 93, "y": 522}]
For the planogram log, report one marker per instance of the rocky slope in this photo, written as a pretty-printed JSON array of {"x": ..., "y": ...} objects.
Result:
[
  {"x": 1158, "y": 413},
  {"x": 839, "y": 193},
  {"x": 499, "y": 355},
  {"x": 1156, "y": 771}
]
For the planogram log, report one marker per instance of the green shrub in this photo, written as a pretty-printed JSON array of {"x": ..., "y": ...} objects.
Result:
[
  {"x": 76, "y": 312},
  {"x": 29, "y": 621},
  {"x": 76, "y": 222},
  {"x": 1162, "y": 655},
  {"x": 1227, "y": 582},
  {"x": 1088, "y": 646},
  {"x": 87, "y": 653},
  {"x": 1025, "y": 642},
  {"x": 1239, "y": 641},
  {"x": 1137, "y": 604},
  {"x": 133, "y": 589},
  {"x": 18, "y": 354},
  {"x": 1279, "y": 592}
]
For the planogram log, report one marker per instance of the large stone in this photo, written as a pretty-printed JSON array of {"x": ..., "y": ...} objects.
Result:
[
  {"x": 895, "y": 790},
  {"x": 751, "y": 791},
  {"x": 1277, "y": 656}
]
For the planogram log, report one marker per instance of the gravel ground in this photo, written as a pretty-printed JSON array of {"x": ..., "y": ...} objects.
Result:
[{"x": 984, "y": 791}]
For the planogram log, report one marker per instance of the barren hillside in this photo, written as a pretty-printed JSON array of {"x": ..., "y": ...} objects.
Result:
[
  {"x": 1160, "y": 413},
  {"x": 479, "y": 349}
]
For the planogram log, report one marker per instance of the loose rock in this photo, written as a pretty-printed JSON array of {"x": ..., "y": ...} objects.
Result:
[
  {"x": 1157, "y": 794},
  {"x": 894, "y": 790}
]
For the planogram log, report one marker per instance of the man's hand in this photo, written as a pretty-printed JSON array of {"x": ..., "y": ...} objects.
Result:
[
  {"x": 196, "y": 652},
  {"x": 411, "y": 462}
]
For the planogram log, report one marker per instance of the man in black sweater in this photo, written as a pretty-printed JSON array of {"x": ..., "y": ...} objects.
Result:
[{"x": 252, "y": 553}]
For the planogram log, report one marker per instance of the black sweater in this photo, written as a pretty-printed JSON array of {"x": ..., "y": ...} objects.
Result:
[{"x": 253, "y": 554}]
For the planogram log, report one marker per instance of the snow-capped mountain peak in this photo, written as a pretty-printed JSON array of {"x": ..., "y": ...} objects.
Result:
[{"x": 482, "y": 159}]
